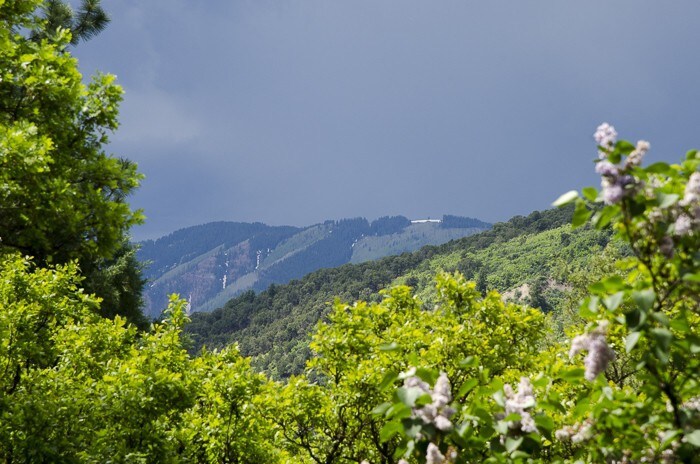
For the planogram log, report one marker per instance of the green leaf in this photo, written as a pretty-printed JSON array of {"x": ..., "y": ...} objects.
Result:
[
  {"x": 644, "y": 299},
  {"x": 393, "y": 346},
  {"x": 573, "y": 374},
  {"x": 412, "y": 427},
  {"x": 388, "y": 380},
  {"x": 693, "y": 438},
  {"x": 603, "y": 217},
  {"x": 513, "y": 444},
  {"x": 427, "y": 375},
  {"x": 692, "y": 277},
  {"x": 566, "y": 198},
  {"x": 632, "y": 340},
  {"x": 614, "y": 283},
  {"x": 410, "y": 396},
  {"x": 607, "y": 392},
  {"x": 467, "y": 387},
  {"x": 469, "y": 361},
  {"x": 582, "y": 407},
  {"x": 669, "y": 437},
  {"x": 589, "y": 306},
  {"x": 381, "y": 409},
  {"x": 613, "y": 301},
  {"x": 666, "y": 199},
  {"x": 663, "y": 337},
  {"x": 499, "y": 398},
  {"x": 398, "y": 411},
  {"x": 680, "y": 325},
  {"x": 615, "y": 157},
  {"x": 590, "y": 193},
  {"x": 501, "y": 427},
  {"x": 658, "y": 168},
  {"x": 389, "y": 430},
  {"x": 661, "y": 318},
  {"x": 624, "y": 147},
  {"x": 635, "y": 319},
  {"x": 544, "y": 423},
  {"x": 581, "y": 215},
  {"x": 694, "y": 343}
]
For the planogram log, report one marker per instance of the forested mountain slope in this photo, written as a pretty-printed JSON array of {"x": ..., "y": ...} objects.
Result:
[
  {"x": 194, "y": 262},
  {"x": 534, "y": 252},
  {"x": 211, "y": 263}
]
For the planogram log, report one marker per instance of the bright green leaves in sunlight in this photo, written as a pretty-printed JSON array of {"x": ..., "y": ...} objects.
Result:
[
  {"x": 62, "y": 196},
  {"x": 80, "y": 388},
  {"x": 467, "y": 378}
]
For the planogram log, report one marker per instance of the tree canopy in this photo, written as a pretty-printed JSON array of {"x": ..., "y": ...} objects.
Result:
[{"x": 62, "y": 196}]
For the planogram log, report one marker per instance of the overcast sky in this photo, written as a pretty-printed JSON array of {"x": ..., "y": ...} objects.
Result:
[{"x": 293, "y": 112}]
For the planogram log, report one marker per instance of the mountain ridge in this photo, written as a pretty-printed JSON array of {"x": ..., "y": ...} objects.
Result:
[
  {"x": 209, "y": 264},
  {"x": 272, "y": 326}
]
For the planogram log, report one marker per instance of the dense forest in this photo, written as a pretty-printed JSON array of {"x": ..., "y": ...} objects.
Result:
[
  {"x": 589, "y": 355},
  {"x": 273, "y": 326}
]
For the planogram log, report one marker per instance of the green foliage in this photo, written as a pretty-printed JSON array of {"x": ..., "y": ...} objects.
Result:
[
  {"x": 389, "y": 378},
  {"x": 62, "y": 197},
  {"x": 89, "y": 20},
  {"x": 273, "y": 326},
  {"x": 642, "y": 335},
  {"x": 120, "y": 284},
  {"x": 81, "y": 388},
  {"x": 361, "y": 348},
  {"x": 653, "y": 305},
  {"x": 520, "y": 267}
]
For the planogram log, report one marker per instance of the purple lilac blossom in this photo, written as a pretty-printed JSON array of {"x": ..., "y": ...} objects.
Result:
[
  {"x": 519, "y": 403},
  {"x": 433, "y": 455},
  {"x": 599, "y": 353},
  {"x": 612, "y": 193},
  {"x": 438, "y": 412},
  {"x": 683, "y": 225},
  {"x": 635, "y": 158},
  {"x": 605, "y": 136},
  {"x": 606, "y": 168},
  {"x": 692, "y": 190}
]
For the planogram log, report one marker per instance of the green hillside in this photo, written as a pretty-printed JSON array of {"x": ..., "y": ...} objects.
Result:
[
  {"x": 447, "y": 372},
  {"x": 409, "y": 239},
  {"x": 536, "y": 252},
  {"x": 210, "y": 264}
]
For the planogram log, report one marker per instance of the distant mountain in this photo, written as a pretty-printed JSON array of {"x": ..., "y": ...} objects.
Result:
[
  {"x": 535, "y": 260},
  {"x": 210, "y": 264}
]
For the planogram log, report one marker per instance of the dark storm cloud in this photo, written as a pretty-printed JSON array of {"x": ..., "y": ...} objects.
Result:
[{"x": 294, "y": 112}]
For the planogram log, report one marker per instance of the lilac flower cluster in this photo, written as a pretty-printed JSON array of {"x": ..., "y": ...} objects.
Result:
[
  {"x": 689, "y": 222},
  {"x": 576, "y": 433},
  {"x": 605, "y": 136},
  {"x": 614, "y": 180},
  {"x": 438, "y": 412},
  {"x": 521, "y": 403},
  {"x": 599, "y": 353},
  {"x": 617, "y": 183},
  {"x": 434, "y": 456}
]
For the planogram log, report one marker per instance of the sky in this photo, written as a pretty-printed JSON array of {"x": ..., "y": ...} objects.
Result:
[{"x": 298, "y": 111}]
